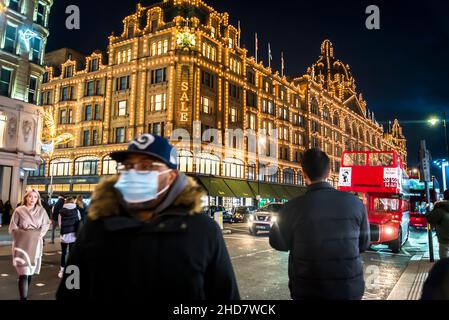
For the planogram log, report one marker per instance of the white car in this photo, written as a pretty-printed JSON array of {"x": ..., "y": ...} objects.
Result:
[{"x": 264, "y": 218}]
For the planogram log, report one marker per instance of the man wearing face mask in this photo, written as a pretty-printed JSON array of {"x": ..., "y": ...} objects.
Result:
[{"x": 145, "y": 239}]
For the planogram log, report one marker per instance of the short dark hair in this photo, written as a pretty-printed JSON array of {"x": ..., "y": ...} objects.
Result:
[{"x": 316, "y": 164}]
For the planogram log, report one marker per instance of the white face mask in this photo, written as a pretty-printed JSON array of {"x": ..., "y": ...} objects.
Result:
[{"x": 140, "y": 187}]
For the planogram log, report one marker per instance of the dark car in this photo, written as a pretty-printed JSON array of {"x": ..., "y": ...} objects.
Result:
[
  {"x": 264, "y": 218},
  {"x": 211, "y": 210},
  {"x": 241, "y": 214}
]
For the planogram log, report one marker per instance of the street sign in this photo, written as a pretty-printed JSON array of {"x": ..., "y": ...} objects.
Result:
[{"x": 424, "y": 157}]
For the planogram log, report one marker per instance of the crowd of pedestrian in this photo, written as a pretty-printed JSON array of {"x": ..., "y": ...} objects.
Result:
[{"x": 143, "y": 236}]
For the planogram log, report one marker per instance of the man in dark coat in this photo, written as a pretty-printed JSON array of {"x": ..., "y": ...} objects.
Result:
[
  {"x": 325, "y": 231},
  {"x": 145, "y": 238},
  {"x": 439, "y": 217},
  {"x": 55, "y": 215}
]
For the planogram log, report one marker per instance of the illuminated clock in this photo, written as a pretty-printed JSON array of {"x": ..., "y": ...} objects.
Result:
[{"x": 186, "y": 40}]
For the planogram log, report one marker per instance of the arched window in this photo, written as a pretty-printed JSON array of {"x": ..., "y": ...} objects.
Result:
[
  {"x": 314, "y": 109},
  {"x": 109, "y": 166},
  {"x": 185, "y": 161},
  {"x": 86, "y": 166},
  {"x": 288, "y": 176},
  {"x": 3, "y": 126},
  {"x": 299, "y": 180},
  {"x": 336, "y": 120},
  {"x": 273, "y": 174},
  {"x": 354, "y": 131},
  {"x": 207, "y": 164},
  {"x": 61, "y": 167},
  {"x": 347, "y": 126},
  {"x": 251, "y": 171},
  {"x": 233, "y": 168},
  {"x": 326, "y": 115}
]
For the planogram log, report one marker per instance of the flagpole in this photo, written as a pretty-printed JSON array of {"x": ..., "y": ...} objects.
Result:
[
  {"x": 257, "y": 48},
  {"x": 282, "y": 64},
  {"x": 240, "y": 33},
  {"x": 269, "y": 55}
]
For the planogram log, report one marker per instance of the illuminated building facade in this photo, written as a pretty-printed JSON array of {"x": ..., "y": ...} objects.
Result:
[
  {"x": 178, "y": 65},
  {"x": 23, "y": 37}
]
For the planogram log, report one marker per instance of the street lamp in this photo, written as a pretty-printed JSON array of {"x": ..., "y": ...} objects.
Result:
[
  {"x": 434, "y": 121},
  {"x": 51, "y": 139}
]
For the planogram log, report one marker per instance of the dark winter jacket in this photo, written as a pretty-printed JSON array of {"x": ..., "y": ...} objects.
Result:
[
  {"x": 58, "y": 206},
  {"x": 325, "y": 231},
  {"x": 436, "y": 286},
  {"x": 179, "y": 255},
  {"x": 439, "y": 217},
  {"x": 70, "y": 218}
]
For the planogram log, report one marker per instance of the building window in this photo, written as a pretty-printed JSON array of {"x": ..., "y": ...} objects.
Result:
[
  {"x": 86, "y": 138},
  {"x": 88, "y": 113},
  {"x": 68, "y": 71},
  {"x": 93, "y": 65},
  {"x": 208, "y": 164},
  {"x": 234, "y": 116},
  {"x": 159, "y": 47},
  {"x": 157, "y": 129},
  {"x": 121, "y": 108},
  {"x": 158, "y": 102},
  {"x": 252, "y": 122},
  {"x": 87, "y": 166},
  {"x": 14, "y": 5},
  {"x": 288, "y": 176},
  {"x": 109, "y": 166},
  {"x": 158, "y": 76},
  {"x": 5, "y": 82},
  {"x": 185, "y": 161},
  {"x": 120, "y": 135},
  {"x": 61, "y": 167},
  {"x": 67, "y": 93},
  {"x": 234, "y": 91},
  {"x": 89, "y": 88},
  {"x": 235, "y": 66},
  {"x": 251, "y": 99},
  {"x": 32, "y": 88},
  {"x": 251, "y": 171},
  {"x": 251, "y": 77},
  {"x": 233, "y": 168},
  {"x": 209, "y": 52},
  {"x": 10, "y": 38},
  {"x": 45, "y": 77},
  {"x": 40, "y": 16},
  {"x": 94, "y": 137},
  {"x": 207, "y": 79},
  {"x": 70, "y": 117},
  {"x": 97, "y": 112},
  {"x": 39, "y": 172},
  {"x": 122, "y": 83},
  {"x": 63, "y": 116},
  {"x": 97, "y": 87},
  {"x": 206, "y": 105}
]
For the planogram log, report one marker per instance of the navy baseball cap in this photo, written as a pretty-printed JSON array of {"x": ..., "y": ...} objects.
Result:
[{"x": 150, "y": 145}]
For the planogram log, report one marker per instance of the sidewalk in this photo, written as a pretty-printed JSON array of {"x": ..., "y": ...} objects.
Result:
[{"x": 410, "y": 285}]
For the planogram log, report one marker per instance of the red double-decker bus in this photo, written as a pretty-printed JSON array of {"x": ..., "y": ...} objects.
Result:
[{"x": 379, "y": 179}]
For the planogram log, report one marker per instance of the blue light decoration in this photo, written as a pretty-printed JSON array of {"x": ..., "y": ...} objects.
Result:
[{"x": 26, "y": 37}]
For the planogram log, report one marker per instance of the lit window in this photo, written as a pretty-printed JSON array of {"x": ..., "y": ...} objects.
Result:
[
  {"x": 165, "y": 46},
  {"x": 122, "y": 108},
  {"x": 158, "y": 102},
  {"x": 233, "y": 115}
]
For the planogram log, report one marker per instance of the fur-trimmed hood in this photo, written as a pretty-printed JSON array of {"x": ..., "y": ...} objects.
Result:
[{"x": 106, "y": 198}]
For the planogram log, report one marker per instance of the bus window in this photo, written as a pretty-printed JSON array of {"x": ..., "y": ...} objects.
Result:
[
  {"x": 386, "y": 204},
  {"x": 354, "y": 159},
  {"x": 381, "y": 159}
]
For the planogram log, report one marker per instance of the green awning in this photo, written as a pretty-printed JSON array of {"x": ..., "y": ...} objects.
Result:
[
  {"x": 240, "y": 188},
  {"x": 263, "y": 189},
  {"x": 216, "y": 187}
]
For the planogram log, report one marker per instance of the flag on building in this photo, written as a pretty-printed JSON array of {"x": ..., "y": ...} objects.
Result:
[
  {"x": 270, "y": 57},
  {"x": 257, "y": 47},
  {"x": 282, "y": 64}
]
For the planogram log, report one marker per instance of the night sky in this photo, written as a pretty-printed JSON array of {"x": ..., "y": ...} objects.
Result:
[{"x": 401, "y": 69}]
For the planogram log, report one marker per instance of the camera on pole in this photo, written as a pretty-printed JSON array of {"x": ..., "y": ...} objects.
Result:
[{"x": 424, "y": 159}]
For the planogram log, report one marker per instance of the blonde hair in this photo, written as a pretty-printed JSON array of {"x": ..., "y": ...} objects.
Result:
[{"x": 28, "y": 192}]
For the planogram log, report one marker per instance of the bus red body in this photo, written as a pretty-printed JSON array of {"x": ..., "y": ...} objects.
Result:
[{"x": 378, "y": 178}]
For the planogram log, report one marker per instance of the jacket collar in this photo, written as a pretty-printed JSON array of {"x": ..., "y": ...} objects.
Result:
[{"x": 319, "y": 186}]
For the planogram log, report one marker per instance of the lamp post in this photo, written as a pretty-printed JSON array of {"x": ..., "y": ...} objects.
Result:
[
  {"x": 434, "y": 121},
  {"x": 261, "y": 146}
]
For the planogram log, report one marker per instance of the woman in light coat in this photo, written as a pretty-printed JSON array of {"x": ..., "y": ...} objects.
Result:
[{"x": 28, "y": 226}]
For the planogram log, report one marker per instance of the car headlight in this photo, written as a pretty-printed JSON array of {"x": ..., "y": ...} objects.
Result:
[{"x": 274, "y": 219}]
